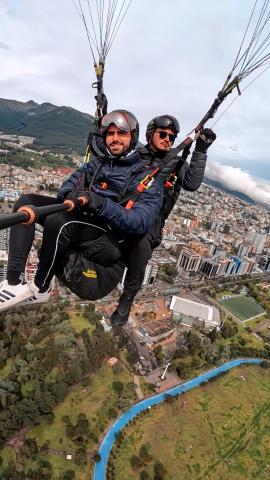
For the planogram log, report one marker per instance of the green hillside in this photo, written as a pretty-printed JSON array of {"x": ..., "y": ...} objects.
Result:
[
  {"x": 61, "y": 129},
  {"x": 219, "y": 431}
]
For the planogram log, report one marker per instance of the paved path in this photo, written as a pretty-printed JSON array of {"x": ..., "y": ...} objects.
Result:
[
  {"x": 138, "y": 391},
  {"x": 111, "y": 435}
]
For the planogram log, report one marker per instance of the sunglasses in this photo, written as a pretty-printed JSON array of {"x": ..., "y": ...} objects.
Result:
[{"x": 164, "y": 134}]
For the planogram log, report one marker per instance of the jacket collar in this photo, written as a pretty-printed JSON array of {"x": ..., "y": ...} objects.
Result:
[{"x": 124, "y": 161}]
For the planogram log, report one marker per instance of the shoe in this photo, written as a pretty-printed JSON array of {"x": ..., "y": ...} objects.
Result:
[
  {"x": 121, "y": 315},
  {"x": 12, "y": 295},
  {"x": 37, "y": 297}
]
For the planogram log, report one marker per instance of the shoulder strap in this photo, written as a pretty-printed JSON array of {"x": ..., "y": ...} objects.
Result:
[
  {"x": 165, "y": 167},
  {"x": 134, "y": 174},
  {"x": 96, "y": 172}
]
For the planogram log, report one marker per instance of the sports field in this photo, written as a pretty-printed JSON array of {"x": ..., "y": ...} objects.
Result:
[{"x": 242, "y": 307}]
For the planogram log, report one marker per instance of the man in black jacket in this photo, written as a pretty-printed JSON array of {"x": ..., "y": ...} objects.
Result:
[{"x": 161, "y": 133}]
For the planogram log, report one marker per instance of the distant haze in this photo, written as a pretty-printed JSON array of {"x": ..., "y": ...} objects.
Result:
[{"x": 237, "y": 179}]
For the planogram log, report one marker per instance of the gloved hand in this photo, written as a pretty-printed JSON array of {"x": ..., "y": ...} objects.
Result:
[
  {"x": 186, "y": 151},
  {"x": 72, "y": 195},
  {"x": 205, "y": 139},
  {"x": 94, "y": 201}
]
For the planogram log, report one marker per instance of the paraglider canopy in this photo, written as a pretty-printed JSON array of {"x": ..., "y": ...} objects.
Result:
[
  {"x": 253, "y": 55},
  {"x": 102, "y": 20}
]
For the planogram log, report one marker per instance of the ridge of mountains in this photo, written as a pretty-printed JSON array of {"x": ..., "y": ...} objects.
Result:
[
  {"x": 62, "y": 129},
  {"x": 224, "y": 188}
]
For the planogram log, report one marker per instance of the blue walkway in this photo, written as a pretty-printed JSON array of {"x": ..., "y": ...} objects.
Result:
[{"x": 110, "y": 437}]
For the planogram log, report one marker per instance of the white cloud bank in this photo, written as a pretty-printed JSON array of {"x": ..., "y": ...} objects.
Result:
[{"x": 239, "y": 180}]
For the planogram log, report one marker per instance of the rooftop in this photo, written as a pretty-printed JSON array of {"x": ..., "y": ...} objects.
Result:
[{"x": 190, "y": 308}]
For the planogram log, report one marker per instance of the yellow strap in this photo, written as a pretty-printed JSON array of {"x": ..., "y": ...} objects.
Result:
[{"x": 87, "y": 154}]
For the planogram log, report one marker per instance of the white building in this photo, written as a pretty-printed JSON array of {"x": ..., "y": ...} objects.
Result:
[{"x": 186, "y": 311}]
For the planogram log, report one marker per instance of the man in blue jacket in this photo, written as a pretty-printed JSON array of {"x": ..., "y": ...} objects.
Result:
[{"x": 103, "y": 183}]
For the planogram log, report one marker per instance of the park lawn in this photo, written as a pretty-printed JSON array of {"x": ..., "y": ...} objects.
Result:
[
  {"x": 60, "y": 466},
  {"x": 8, "y": 456},
  {"x": 194, "y": 434},
  {"x": 146, "y": 388},
  {"x": 260, "y": 324},
  {"x": 242, "y": 307},
  {"x": 27, "y": 388},
  {"x": 79, "y": 323},
  {"x": 249, "y": 339},
  {"x": 5, "y": 371},
  {"x": 93, "y": 399}
]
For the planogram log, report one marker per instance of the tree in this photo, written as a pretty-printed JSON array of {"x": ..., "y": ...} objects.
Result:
[
  {"x": 44, "y": 470},
  {"x": 69, "y": 475},
  {"x": 144, "y": 475},
  {"x": 135, "y": 461},
  {"x": 194, "y": 341},
  {"x": 8, "y": 472},
  {"x": 159, "y": 471},
  {"x": 229, "y": 329},
  {"x": 118, "y": 387},
  {"x": 30, "y": 448},
  {"x": 80, "y": 456},
  {"x": 169, "y": 399},
  {"x": 213, "y": 334},
  {"x": 159, "y": 354},
  {"x": 96, "y": 456},
  {"x": 112, "y": 413}
]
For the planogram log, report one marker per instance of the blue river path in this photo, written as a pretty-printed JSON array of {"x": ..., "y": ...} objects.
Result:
[{"x": 110, "y": 437}]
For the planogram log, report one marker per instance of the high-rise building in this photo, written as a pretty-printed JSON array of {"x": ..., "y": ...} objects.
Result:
[
  {"x": 244, "y": 249},
  {"x": 150, "y": 273},
  {"x": 264, "y": 263},
  {"x": 189, "y": 260},
  {"x": 234, "y": 266},
  {"x": 209, "y": 267},
  {"x": 222, "y": 263},
  {"x": 258, "y": 239}
]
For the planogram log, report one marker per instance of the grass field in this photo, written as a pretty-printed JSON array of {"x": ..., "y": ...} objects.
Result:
[
  {"x": 219, "y": 431},
  {"x": 5, "y": 371},
  {"x": 79, "y": 323},
  {"x": 94, "y": 400},
  {"x": 8, "y": 456},
  {"x": 242, "y": 307}
]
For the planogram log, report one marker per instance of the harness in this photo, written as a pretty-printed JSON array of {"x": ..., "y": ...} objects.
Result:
[{"x": 169, "y": 167}]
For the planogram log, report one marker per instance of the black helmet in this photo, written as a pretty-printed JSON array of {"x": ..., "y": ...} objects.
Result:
[
  {"x": 125, "y": 121},
  {"x": 163, "y": 121}
]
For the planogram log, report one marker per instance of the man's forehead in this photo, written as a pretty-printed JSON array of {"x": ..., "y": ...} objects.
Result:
[
  {"x": 114, "y": 128},
  {"x": 165, "y": 129}
]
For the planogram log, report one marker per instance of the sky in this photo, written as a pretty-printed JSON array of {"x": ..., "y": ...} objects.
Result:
[{"x": 168, "y": 57}]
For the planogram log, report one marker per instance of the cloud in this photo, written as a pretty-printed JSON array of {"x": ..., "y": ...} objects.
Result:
[
  {"x": 4, "y": 46},
  {"x": 239, "y": 180}
]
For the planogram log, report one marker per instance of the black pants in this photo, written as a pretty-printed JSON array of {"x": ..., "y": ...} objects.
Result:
[
  {"x": 61, "y": 231},
  {"x": 140, "y": 252}
]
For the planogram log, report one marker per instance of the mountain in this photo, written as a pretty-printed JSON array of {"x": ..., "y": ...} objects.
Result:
[
  {"x": 54, "y": 128},
  {"x": 221, "y": 186}
]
